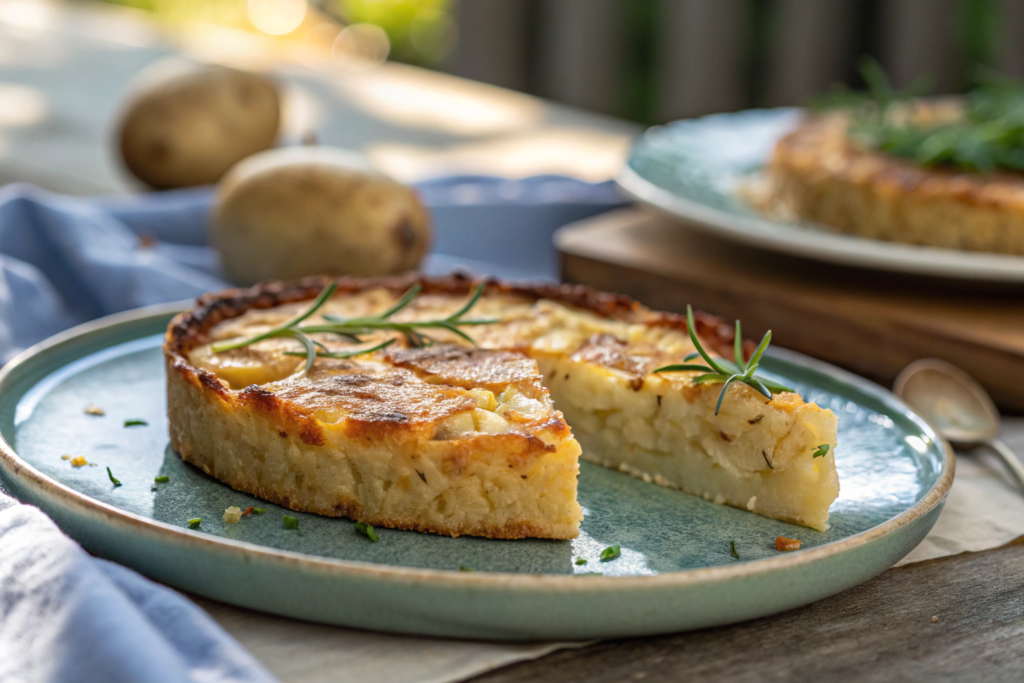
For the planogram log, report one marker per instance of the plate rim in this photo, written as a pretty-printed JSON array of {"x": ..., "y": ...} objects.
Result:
[
  {"x": 81, "y": 504},
  {"x": 825, "y": 245}
]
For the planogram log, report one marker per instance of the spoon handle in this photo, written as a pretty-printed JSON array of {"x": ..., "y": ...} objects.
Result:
[{"x": 1009, "y": 459}]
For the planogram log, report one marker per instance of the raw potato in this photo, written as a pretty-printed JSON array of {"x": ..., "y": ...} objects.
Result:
[
  {"x": 187, "y": 124},
  {"x": 297, "y": 211}
]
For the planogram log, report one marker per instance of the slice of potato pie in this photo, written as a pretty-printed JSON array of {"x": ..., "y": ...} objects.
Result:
[{"x": 441, "y": 405}]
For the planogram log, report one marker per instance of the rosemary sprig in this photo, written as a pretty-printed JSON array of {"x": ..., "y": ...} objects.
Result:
[
  {"x": 353, "y": 329},
  {"x": 343, "y": 354},
  {"x": 721, "y": 370}
]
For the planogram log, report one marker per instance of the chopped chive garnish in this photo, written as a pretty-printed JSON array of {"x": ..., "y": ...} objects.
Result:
[
  {"x": 136, "y": 423},
  {"x": 821, "y": 452},
  {"x": 116, "y": 482},
  {"x": 367, "y": 530},
  {"x": 193, "y": 523},
  {"x": 258, "y": 511},
  {"x": 581, "y": 560},
  {"x": 162, "y": 479},
  {"x": 611, "y": 552},
  {"x": 290, "y": 522},
  {"x": 466, "y": 569},
  {"x": 732, "y": 550}
]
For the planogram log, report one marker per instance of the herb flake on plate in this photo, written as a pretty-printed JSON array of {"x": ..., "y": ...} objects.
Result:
[{"x": 367, "y": 530}]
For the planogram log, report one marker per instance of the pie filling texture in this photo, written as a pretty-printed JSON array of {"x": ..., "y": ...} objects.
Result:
[{"x": 456, "y": 439}]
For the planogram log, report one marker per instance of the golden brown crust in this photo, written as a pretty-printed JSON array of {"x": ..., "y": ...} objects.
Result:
[
  {"x": 375, "y": 403},
  {"x": 189, "y": 329},
  {"x": 469, "y": 368}
]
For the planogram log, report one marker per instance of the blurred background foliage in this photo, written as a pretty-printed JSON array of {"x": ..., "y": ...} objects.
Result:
[{"x": 427, "y": 33}]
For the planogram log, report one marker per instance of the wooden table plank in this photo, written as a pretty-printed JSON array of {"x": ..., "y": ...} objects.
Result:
[{"x": 881, "y": 631}]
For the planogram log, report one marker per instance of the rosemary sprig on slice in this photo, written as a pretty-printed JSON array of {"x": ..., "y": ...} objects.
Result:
[
  {"x": 354, "y": 328},
  {"x": 721, "y": 370}
]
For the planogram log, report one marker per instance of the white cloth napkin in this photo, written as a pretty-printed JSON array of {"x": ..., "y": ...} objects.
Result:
[{"x": 984, "y": 510}]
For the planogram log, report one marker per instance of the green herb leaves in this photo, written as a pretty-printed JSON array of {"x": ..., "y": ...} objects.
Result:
[
  {"x": 193, "y": 523},
  {"x": 136, "y": 423},
  {"x": 290, "y": 522},
  {"x": 581, "y": 561},
  {"x": 987, "y": 134},
  {"x": 285, "y": 329},
  {"x": 258, "y": 511},
  {"x": 821, "y": 452},
  {"x": 727, "y": 372},
  {"x": 163, "y": 479},
  {"x": 732, "y": 550},
  {"x": 367, "y": 530},
  {"x": 116, "y": 482},
  {"x": 611, "y": 552},
  {"x": 353, "y": 328}
]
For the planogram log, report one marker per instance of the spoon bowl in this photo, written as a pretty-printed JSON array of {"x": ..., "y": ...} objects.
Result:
[
  {"x": 957, "y": 407},
  {"x": 949, "y": 399}
]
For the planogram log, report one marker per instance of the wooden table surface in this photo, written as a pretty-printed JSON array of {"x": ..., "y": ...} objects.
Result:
[{"x": 958, "y": 618}]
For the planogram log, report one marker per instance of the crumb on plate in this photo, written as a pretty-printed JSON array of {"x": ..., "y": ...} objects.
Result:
[
  {"x": 93, "y": 409},
  {"x": 232, "y": 515},
  {"x": 79, "y": 461},
  {"x": 783, "y": 544}
]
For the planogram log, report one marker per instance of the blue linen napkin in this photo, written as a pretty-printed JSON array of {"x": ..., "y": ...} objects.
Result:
[{"x": 66, "y": 616}]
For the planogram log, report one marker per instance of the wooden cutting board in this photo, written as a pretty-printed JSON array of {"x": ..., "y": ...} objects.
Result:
[{"x": 870, "y": 322}]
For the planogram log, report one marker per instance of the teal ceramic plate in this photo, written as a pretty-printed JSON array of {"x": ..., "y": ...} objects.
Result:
[
  {"x": 694, "y": 168},
  {"x": 676, "y": 570}
]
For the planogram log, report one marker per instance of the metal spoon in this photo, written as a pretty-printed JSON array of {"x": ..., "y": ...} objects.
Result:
[{"x": 957, "y": 407}]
